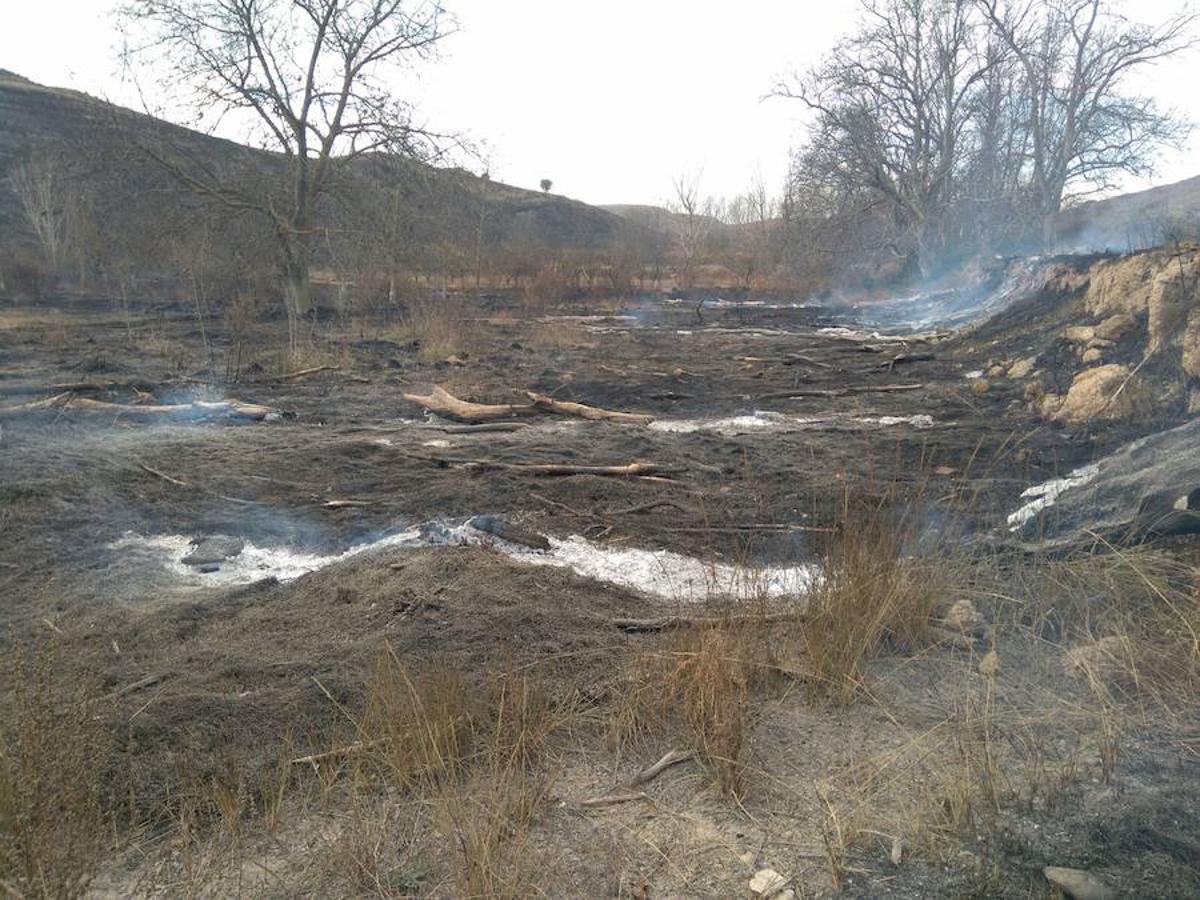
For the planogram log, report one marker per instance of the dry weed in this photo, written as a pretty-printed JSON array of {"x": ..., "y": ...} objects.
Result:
[{"x": 53, "y": 751}]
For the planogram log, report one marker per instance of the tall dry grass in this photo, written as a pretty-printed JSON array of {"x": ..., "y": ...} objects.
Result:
[{"x": 54, "y": 747}]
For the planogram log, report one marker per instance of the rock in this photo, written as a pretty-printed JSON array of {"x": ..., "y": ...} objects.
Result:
[
  {"x": 962, "y": 616},
  {"x": 507, "y": 531},
  {"x": 1191, "y": 345},
  {"x": 897, "y": 851},
  {"x": 1174, "y": 295},
  {"x": 1100, "y": 344},
  {"x": 1078, "y": 884},
  {"x": 767, "y": 883},
  {"x": 1079, "y": 334},
  {"x": 1092, "y": 356},
  {"x": 1022, "y": 368},
  {"x": 1116, "y": 327},
  {"x": 997, "y": 371},
  {"x": 1093, "y": 395},
  {"x": 215, "y": 549},
  {"x": 980, "y": 386},
  {"x": 1122, "y": 285}
]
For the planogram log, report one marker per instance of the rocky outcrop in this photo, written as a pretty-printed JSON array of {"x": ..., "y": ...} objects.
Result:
[
  {"x": 1104, "y": 393},
  {"x": 1150, "y": 487}
]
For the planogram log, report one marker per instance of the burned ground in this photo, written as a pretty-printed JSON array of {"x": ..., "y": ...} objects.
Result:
[{"x": 205, "y": 681}]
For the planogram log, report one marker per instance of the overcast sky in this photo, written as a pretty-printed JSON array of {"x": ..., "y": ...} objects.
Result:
[{"x": 610, "y": 100}]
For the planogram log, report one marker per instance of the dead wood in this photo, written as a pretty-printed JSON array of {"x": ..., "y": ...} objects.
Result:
[
  {"x": 200, "y": 408},
  {"x": 579, "y": 410},
  {"x": 800, "y": 358},
  {"x": 552, "y": 470},
  {"x": 648, "y": 507},
  {"x": 300, "y": 373},
  {"x": 36, "y": 405},
  {"x": 346, "y": 504},
  {"x": 483, "y": 427},
  {"x": 446, "y": 404},
  {"x": 673, "y": 758},
  {"x": 614, "y": 799},
  {"x": 905, "y": 358},
  {"x": 750, "y": 526},
  {"x": 666, "y": 623},
  {"x": 163, "y": 475},
  {"x": 842, "y": 392}
]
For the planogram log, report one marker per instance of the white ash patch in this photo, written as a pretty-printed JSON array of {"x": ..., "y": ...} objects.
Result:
[
  {"x": 762, "y": 420},
  {"x": 657, "y": 573},
  {"x": 670, "y": 576},
  {"x": 252, "y": 564},
  {"x": 1042, "y": 496}
]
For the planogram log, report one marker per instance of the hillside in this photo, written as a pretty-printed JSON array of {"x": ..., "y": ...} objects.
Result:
[
  {"x": 1133, "y": 221},
  {"x": 440, "y": 205}
]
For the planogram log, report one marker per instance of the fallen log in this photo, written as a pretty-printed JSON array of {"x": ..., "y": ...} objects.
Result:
[
  {"x": 35, "y": 405},
  {"x": 303, "y": 372},
  {"x": 580, "y": 410},
  {"x": 842, "y": 392},
  {"x": 904, "y": 358},
  {"x": 749, "y": 526},
  {"x": 666, "y": 623},
  {"x": 446, "y": 404},
  {"x": 615, "y": 799},
  {"x": 199, "y": 408},
  {"x": 801, "y": 359},
  {"x": 483, "y": 427},
  {"x": 673, "y": 758}
]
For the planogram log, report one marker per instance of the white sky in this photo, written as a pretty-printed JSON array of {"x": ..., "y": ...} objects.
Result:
[{"x": 611, "y": 100}]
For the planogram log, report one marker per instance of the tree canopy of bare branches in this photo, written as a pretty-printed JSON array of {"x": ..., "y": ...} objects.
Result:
[
  {"x": 938, "y": 119},
  {"x": 311, "y": 80}
]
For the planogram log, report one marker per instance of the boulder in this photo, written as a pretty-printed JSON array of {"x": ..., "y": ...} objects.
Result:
[
  {"x": 1092, "y": 355},
  {"x": 1147, "y": 488},
  {"x": 1191, "y": 345},
  {"x": 1079, "y": 334},
  {"x": 1116, "y": 327},
  {"x": 211, "y": 551},
  {"x": 1122, "y": 285},
  {"x": 1078, "y": 884},
  {"x": 997, "y": 371},
  {"x": 767, "y": 883},
  {"x": 1094, "y": 395},
  {"x": 980, "y": 386},
  {"x": 1022, "y": 368},
  {"x": 1174, "y": 296}
]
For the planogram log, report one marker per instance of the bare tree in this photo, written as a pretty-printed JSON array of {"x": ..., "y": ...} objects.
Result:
[
  {"x": 753, "y": 217},
  {"x": 305, "y": 78},
  {"x": 41, "y": 188},
  {"x": 692, "y": 221},
  {"x": 892, "y": 104},
  {"x": 1075, "y": 56}
]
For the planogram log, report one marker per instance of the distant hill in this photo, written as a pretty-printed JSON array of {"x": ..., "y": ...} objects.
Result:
[
  {"x": 1133, "y": 221},
  {"x": 439, "y": 205}
]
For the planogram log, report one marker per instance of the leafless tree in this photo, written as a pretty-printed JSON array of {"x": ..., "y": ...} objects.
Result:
[
  {"x": 305, "y": 78},
  {"x": 42, "y": 188},
  {"x": 693, "y": 217},
  {"x": 1075, "y": 56},
  {"x": 753, "y": 216},
  {"x": 891, "y": 104}
]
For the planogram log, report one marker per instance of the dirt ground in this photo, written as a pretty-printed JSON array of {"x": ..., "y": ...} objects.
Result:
[{"x": 212, "y": 678}]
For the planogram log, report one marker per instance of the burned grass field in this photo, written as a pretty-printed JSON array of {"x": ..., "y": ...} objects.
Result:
[{"x": 271, "y": 627}]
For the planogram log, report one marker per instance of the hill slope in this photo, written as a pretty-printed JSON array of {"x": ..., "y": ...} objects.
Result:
[{"x": 95, "y": 137}]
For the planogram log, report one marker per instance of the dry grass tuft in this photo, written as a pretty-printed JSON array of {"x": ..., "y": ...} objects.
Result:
[
  {"x": 53, "y": 750},
  {"x": 871, "y": 597},
  {"x": 443, "y": 327},
  {"x": 699, "y": 683}
]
